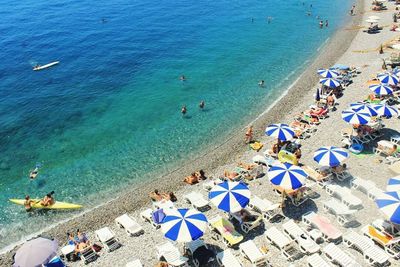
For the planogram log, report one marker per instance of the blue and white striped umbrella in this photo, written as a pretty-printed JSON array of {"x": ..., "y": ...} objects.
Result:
[
  {"x": 287, "y": 176},
  {"x": 396, "y": 72},
  {"x": 393, "y": 184},
  {"x": 230, "y": 196},
  {"x": 184, "y": 225},
  {"x": 281, "y": 131},
  {"x": 333, "y": 83},
  {"x": 364, "y": 106},
  {"x": 385, "y": 110},
  {"x": 327, "y": 73},
  {"x": 356, "y": 116},
  {"x": 330, "y": 156},
  {"x": 389, "y": 204},
  {"x": 381, "y": 89},
  {"x": 388, "y": 78}
]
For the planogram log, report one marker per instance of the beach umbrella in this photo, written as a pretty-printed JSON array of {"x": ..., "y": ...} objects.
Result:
[
  {"x": 36, "y": 252},
  {"x": 356, "y": 116},
  {"x": 330, "y": 156},
  {"x": 230, "y": 196},
  {"x": 281, "y": 131},
  {"x": 396, "y": 71},
  {"x": 381, "y": 89},
  {"x": 184, "y": 225},
  {"x": 330, "y": 82},
  {"x": 389, "y": 204},
  {"x": 393, "y": 184},
  {"x": 340, "y": 67},
  {"x": 327, "y": 73},
  {"x": 385, "y": 110},
  {"x": 287, "y": 176},
  {"x": 364, "y": 106},
  {"x": 388, "y": 78}
]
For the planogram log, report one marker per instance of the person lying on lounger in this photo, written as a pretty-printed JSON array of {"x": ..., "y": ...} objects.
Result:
[
  {"x": 230, "y": 175},
  {"x": 155, "y": 195},
  {"x": 246, "y": 166},
  {"x": 191, "y": 179},
  {"x": 246, "y": 216},
  {"x": 339, "y": 168}
]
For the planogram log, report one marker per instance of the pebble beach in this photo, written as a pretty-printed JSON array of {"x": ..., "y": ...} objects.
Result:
[{"x": 350, "y": 46}]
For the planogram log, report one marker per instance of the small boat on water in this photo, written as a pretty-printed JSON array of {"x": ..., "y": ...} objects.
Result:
[
  {"x": 40, "y": 67},
  {"x": 56, "y": 205}
]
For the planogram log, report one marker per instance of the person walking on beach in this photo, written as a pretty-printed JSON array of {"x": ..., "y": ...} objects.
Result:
[
  {"x": 326, "y": 23},
  {"x": 184, "y": 110},
  {"x": 202, "y": 104},
  {"x": 249, "y": 135}
]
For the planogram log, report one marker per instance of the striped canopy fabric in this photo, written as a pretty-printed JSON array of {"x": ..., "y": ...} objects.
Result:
[
  {"x": 230, "y": 196},
  {"x": 356, "y": 116},
  {"x": 381, "y": 89},
  {"x": 330, "y": 82},
  {"x": 184, "y": 225},
  {"x": 281, "y": 131},
  {"x": 385, "y": 110},
  {"x": 388, "y": 78},
  {"x": 287, "y": 176},
  {"x": 330, "y": 156},
  {"x": 389, "y": 204},
  {"x": 327, "y": 73},
  {"x": 366, "y": 106},
  {"x": 393, "y": 184}
]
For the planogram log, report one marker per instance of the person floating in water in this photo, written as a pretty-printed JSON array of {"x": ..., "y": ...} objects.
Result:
[
  {"x": 261, "y": 83},
  {"x": 326, "y": 23},
  {"x": 34, "y": 173},
  {"x": 202, "y": 104},
  {"x": 269, "y": 19},
  {"x": 252, "y": 20},
  {"x": 184, "y": 110},
  {"x": 104, "y": 20},
  {"x": 182, "y": 78},
  {"x": 321, "y": 24}
]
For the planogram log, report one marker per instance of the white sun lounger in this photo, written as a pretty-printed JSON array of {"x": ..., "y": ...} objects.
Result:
[
  {"x": 362, "y": 184},
  {"x": 248, "y": 225},
  {"x": 294, "y": 232},
  {"x": 250, "y": 251},
  {"x": 171, "y": 255},
  {"x": 88, "y": 255},
  {"x": 316, "y": 260},
  {"x": 265, "y": 207},
  {"x": 192, "y": 246},
  {"x": 345, "y": 195},
  {"x": 373, "y": 255},
  {"x": 390, "y": 244},
  {"x": 134, "y": 263},
  {"x": 329, "y": 232},
  {"x": 196, "y": 200},
  {"x": 147, "y": 216},
  {"x": 344, "y": 215},
  {"x": 286, "y": 246},
  {"x": 373, "y": 193},
  {"x": 337, "y": 256},
  {"x": 107, "y": 238},
  {"x": 227, "y": 259},
  {"x": 130, "y": 225}
]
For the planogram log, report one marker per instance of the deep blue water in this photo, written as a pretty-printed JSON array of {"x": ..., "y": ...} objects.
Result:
[{"x": 110, "y": 111}]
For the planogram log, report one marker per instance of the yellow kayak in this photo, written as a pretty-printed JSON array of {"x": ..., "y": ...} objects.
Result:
[{"x": 55, "y": 206}]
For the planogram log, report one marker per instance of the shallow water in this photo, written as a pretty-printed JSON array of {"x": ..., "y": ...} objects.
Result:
[{"x": 110, "y": 111}]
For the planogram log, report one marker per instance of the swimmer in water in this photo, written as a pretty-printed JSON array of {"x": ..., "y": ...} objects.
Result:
[
  {"x": 182, "y": 78},
  {"x": 326, "y": 23},
  {"x": 321, "y": 24},
  {"x": 261, "y": 83},
  {"x": 34, "y": 173},
  {"x": 184, "y": 110},
  {"x": 202, "y": 104}
]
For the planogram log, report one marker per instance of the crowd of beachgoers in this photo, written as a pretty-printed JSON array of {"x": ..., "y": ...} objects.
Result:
[{"x": 319, "y": 188}]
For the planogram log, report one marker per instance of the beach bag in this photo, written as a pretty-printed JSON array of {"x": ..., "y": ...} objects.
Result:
[{"x": 96, "y": 247}]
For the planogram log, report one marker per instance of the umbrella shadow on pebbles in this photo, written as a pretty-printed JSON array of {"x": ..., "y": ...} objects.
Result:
[{"x": 292, "y": 212}]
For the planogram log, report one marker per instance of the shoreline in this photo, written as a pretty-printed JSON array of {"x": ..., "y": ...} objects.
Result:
[{"x": 216, "y": 155}]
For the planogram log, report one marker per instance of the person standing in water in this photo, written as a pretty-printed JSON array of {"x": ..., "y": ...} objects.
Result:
[
  {"x": 182, "y": 78},
  {"x": 184, "y": 110},
  {"x": 202, "y": 104},
  {"x": 261, "y": 83},
  {"x": 321, "y": 24},
  {"x": 326, "y": 23}
]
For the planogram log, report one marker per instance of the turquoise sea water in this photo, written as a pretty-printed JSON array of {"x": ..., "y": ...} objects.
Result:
[{"x": 110, "y": 112}]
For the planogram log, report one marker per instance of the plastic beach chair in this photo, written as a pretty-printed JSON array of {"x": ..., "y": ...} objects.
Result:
[
  {"x": 286, "y": 246},
  {"x": 294, "y": 232},
  {"x": 316, "y": 260},
  {"x": 250, "y": 251},
  {"x": 265, "y": 207},
  {"x": 227, "y": 259},
  {"x": 196, "y": 200},
  {"x": 373, "y": 255},
  {"x": 343, "y": 214},
  {"x": 130, "y": 225},
  {"x": 134, "y": 263},
  {"x": 388, "y": 242},
  {"x": 362, "y": 184},
  {"x": 224, "y": 229},
  {"x": 338, "y": 256},
  {"x": 107, "y": 238},
  {"x": 200, "y": 252},
  {"x": 249, "y": 225},
  {"x": 329, "y": 232},
  {"x": 171, "y": 255},
  {"x": 345, "y": 195}
]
